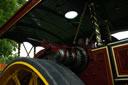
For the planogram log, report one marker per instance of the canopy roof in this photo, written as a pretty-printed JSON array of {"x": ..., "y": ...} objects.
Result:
[{"x": 46, "y": 21}]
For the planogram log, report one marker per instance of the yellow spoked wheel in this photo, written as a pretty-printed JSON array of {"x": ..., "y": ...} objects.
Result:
[
  {"x": 22, "y": 73},
  {"x": 25, "y": 71}
]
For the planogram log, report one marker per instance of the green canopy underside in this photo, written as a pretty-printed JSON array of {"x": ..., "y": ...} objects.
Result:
[{"x": 47, "y": 22}]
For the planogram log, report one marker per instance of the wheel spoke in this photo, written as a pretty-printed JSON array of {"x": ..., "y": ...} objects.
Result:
[
  {"x": 31, "y": 81},
  {"x": 15, "y": 78},
  {"x": 35, "y": 78}
]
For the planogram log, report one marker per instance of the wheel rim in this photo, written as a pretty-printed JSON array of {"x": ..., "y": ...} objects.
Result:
[
  {"x": 21, "y": 73},
  {"x": 27, "y": 71}
]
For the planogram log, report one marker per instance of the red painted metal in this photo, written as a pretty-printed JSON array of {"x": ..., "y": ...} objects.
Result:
[
  {"x": 52, "y": 47},
  {"x": 40, "y": 53},
  {"x": 18, "y": 15},
  {"x": 98, "y": 71},
  {"x": 121, "y": 55}
]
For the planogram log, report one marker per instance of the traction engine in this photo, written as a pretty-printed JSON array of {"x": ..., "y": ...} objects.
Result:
[{"x": 85, "y": 62}]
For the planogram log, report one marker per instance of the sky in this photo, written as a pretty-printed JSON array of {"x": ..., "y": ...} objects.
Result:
[{"x": 28, "y": 46}]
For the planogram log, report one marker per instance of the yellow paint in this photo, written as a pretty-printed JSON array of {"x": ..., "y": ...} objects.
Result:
[
  {"x": 110, "y": 65},
  {"x": 98, "y": 48},
  {"x": 114, "y": 57},
  {"x": 29, "y": 66},
  {"x": 105, "y": 47}
]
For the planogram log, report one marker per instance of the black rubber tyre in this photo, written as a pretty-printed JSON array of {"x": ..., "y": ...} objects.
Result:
[{"x": 53, "y": 73}]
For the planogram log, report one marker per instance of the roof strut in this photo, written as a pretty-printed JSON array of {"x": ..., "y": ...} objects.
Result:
[{"x": 81, "y": 19}]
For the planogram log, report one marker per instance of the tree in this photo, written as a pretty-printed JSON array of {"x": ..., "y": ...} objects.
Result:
[
  {"x": 8, "y": 8},
  {"x": 6, "y": 50}
]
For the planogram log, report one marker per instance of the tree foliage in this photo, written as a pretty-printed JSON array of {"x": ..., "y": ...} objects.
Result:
[
  {"x": 6, "y": 50},
  {"x": 8, "y": 8}
]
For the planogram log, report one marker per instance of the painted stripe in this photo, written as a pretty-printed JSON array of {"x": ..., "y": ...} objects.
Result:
[
  {"x": 110, "y": 67},
  {"x": 115, "y": 62},
  {"x": 109, "y": 62},
  {"x": 31, "y": 67}
]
